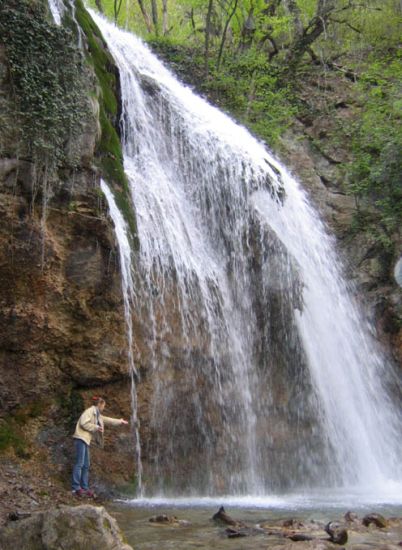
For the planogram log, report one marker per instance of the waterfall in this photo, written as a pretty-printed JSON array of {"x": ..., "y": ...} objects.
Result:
[
  {"x": 262, "y": 374},
  {"x": 57, "y": 9},
  {"x": 127, "y": 288}
]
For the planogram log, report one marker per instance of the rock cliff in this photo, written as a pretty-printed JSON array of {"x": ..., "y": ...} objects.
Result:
[{"x": 62, "y": 328}]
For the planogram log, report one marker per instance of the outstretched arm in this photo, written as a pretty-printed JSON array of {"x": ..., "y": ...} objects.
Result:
[{"x": 113, "y": 421}]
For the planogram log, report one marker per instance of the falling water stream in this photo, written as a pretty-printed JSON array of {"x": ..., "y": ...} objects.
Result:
[
  {"x": 264, "y": 376},
  {"x": 127, "y": 287}
]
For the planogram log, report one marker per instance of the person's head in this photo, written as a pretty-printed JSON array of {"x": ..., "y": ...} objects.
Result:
[{"x": 99, "y": 402}]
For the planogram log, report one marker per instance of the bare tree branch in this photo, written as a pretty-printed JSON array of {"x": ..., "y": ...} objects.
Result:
[{"x": 316, "y": 26}]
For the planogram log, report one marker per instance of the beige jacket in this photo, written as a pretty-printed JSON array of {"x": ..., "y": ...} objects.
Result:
[{"x": 87, "y": 427}]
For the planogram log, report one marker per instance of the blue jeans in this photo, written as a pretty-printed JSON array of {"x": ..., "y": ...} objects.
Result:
[{"x": 81, "y": 466}]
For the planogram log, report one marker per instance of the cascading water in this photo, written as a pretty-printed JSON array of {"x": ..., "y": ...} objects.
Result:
[
  {"x": 264, "y": 375},
  {"x": 128, "y": 293},
  {"x": 57, "y": 9},
  {"x": 277, "y": 381}
]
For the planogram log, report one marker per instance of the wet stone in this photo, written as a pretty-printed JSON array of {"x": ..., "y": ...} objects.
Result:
[
  {"x": 337, "y": 532},
  {"x": 375, "y": 519}
]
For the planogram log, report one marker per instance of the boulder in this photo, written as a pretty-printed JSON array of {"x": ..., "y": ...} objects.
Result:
[
  {"x": 376, "y": 519},
  {"x": 351, "y": 517},
  {"x": 67, "y": 527},
  {"x": 337, "y": 532},
  {"x": 222, "y": 518}
]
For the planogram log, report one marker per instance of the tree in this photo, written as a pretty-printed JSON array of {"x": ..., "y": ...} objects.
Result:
[
  {"x": 231, "y": 13},
  {"x": 164, "y": 17},
  {"x": 145, "y": 16},
  {"x": 116, "y": 8},
  {"x": 208, "y": 35},
  {"x": 155, "y": 18},
  {"x": 305, "y": 37}
]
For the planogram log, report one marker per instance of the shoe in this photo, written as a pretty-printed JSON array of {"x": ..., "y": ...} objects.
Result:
[
  {"x": 79, "y": 493},
  {"x": 88, "y": 493}
]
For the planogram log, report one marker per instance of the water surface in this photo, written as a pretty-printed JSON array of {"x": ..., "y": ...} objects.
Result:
[{"x": 202, "y": 533}]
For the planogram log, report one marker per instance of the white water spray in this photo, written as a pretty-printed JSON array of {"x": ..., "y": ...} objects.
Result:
[{"x": 265, "y": 374}]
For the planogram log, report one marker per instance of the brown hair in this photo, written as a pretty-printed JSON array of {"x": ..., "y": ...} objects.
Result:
[{"x": 97, "y": 400}]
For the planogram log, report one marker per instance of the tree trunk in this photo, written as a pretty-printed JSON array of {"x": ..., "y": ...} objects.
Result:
[
  {"x": 293, "y": 9},
  {"x": 154, "y": 7},
  {"x": 272, "y": 6},
  {"x": 225, "y": 30},
  {"x": 208, "y": 35},
  {"x": 164, "y": 17},
  {"x": 116, "y": 9},
  {"x": 145, "y": 15},
  {"x": 309, "y": 35},
  {"x": 99, "y": 5}
]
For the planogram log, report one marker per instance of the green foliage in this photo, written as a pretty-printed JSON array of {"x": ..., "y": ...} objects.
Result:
[
  {"x": 268, "y": 105},
  {"x": 47, "y": 75},
  {"x": 247, "y": 88},
  {"x": 375, "y": 175}
]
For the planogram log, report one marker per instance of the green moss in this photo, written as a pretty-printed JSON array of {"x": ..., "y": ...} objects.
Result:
[
  {"x": 99, "y": 58},
  {"x": 107, "y": 525},
  {"x": 123, "y": 201},
  {"x": 109, "y": 152},
  {"x": 129, "y": 488},
  {"x": 11, "y": 437},
  {"x": 71, "y": 406},
  {"x": 47, "y": 76}
]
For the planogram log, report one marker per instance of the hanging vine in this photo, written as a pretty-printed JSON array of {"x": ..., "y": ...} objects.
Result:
[{"x": 47, "y": 77}]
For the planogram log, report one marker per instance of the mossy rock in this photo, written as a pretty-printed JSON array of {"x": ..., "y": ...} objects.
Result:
[
  {"x": 109, "y": 152},
  {"x": 11, "y": 437},
  {"x": 48, "y": 79}
]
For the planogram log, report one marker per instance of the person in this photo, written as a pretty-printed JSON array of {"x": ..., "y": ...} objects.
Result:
[{"x": 90, "y": 427}]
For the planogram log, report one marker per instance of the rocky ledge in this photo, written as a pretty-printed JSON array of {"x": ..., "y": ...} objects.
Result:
[{"x": 70, "y": 528}]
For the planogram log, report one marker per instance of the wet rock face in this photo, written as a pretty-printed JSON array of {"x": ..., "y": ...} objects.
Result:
[
  {"x": 61, "y": 319},
  {"x": 62, "y": 327},
  {"x": 71, "y": 528}
]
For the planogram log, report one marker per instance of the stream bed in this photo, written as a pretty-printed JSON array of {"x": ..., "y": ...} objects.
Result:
[{"x": 196, "y": 529}]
